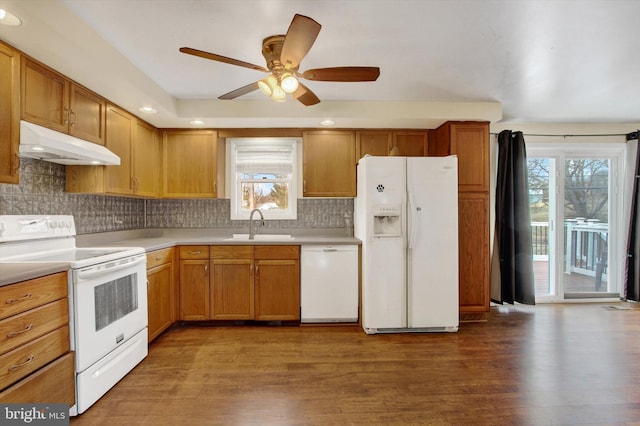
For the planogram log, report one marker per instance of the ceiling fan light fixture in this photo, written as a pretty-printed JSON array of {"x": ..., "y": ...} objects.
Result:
[
  {"x": 268, "y": 85},
  {"x": 278, "y": 95},
  {"x": 289, "y": 83}
]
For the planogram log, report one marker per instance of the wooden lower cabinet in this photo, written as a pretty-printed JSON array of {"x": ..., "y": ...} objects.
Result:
[
  {"x": 160, "y": 291},
  {"x": 232, "y": 284},
  {"x": 36, "y": 365},
  {"x": 194, "y": 283},
  {"x": 51, "y": 384},
  {"x": 473, "y": 223},
  {"x": 245, "y": 282},
  {"x": 277, "y": 283}
]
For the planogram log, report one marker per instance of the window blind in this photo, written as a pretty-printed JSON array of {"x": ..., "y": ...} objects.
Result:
[{"x": 264, "y": 159}]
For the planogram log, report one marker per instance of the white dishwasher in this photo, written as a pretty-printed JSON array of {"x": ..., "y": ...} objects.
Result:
[{"x": 329, "y": 283}]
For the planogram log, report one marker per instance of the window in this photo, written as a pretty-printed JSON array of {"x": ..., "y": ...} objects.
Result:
[{"x": 263, "y": 176}]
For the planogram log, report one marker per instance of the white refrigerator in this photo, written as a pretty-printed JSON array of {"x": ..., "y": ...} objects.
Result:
[{"x": 406, "y": 215}]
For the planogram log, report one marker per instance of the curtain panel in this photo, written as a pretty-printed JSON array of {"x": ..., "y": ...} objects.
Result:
[
  {"x": 631, "y": 284},
  {"x": 512, "y": 278}
]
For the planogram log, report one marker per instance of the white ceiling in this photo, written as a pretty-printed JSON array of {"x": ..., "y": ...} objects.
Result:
[{"x": 510, "y": 60}]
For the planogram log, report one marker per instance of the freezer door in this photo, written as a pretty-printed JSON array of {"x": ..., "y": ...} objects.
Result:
[
  {"x": 432, "y": 256},
  {"x": 384, "y": 296}
]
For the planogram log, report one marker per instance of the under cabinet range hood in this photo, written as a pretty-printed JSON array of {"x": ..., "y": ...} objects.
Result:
[{"x": 48, "y": 145}]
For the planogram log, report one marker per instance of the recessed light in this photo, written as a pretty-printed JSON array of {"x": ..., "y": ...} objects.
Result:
[
  {"x": 37, "y": 148},
  {"x": 197, "y": 123},
  {"x": 327, "y": 122},
  {"x": 8, "y": 18},
  {"x": 147, "y": 110}
]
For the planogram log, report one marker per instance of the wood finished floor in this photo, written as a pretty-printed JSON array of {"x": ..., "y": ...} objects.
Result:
[{"x": 544, "y": 365}]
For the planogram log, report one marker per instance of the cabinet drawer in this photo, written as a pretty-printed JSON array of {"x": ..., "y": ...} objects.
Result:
[
  {"x": 159, "y": 257},
  {"x": 277, "y": 252},
  {"x": 26, "y": 359},
  {"x": 231, "y": 252},
  {"x": 16, "y": 298},
  {"x": 194, "y": 252},
  {"x": 22, "y": 328},
  {"x": 54, "y": 383}
]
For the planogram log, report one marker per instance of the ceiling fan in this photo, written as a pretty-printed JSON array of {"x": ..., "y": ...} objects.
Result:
[{"x": 283, "y": 54}]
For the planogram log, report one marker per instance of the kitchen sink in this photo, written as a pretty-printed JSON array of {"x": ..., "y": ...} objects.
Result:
[{"x": 261, "y": 237}]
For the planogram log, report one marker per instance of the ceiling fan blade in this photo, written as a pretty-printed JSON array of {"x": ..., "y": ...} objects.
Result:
[
  {"x": 241, "y": 91},
  {"x": 220, "y": 58},
  {"x": 305, "y": 95},
  {"x": 301, "y": 35},
  {"x": 343, "y": 74}
]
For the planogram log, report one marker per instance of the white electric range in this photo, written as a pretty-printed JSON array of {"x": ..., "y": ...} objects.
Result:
[{"x": 107, "y": 298}]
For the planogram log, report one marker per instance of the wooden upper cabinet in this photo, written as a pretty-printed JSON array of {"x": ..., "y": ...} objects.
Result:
[
  {"x": 329, "y": 167},
  {"x": 409, "y": 143},
  {"x": 147, "y": 160},
  {"x": 190, "y": 164},
  {"x": 51, "y": 100},
  {"x": 374, "y": 142},
  {"x": 87, "y": 115},
  {"x": 9, "y": 114},
  {"x": 470, "y": 142},
  {"x": 120, "y": 128}
]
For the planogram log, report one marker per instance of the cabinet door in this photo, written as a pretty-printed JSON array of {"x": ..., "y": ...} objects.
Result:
[
  {"x": 373, "y": 143},
  {"x": 470, "y": 142},
  {"x": 190, "y": 161},
  {"x": 232, "y": 290},
  {"x": 159, "y": 291},
  {"x": 329, "y": 164},
  {"x": 473, "y": 223},
  {"x": 9, "y": 114},
  {"x": 147, "y": 160},
  {"x": 119, "y": 134},
  {"x": 194, "y": 290},
  {"x": 277, "y": 290},
  {"x": 45, "y": 95},
  {"x": 87, "y": 115},
  {"x": 410, "y": 143}
]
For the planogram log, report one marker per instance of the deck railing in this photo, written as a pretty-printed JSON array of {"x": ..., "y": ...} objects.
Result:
[{"x": 585, "y": 246}]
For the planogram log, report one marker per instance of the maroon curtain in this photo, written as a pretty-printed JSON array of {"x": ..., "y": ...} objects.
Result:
[{"x": 513, "y": 222}]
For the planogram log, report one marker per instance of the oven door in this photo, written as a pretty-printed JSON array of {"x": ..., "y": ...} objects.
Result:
[{"x": 110, "y": 307}]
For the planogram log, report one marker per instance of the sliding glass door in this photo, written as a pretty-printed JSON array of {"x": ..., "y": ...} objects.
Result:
[{"x": 574, "y": 199}]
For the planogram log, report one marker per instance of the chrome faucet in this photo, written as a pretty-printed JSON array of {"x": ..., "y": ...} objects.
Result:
[{"x": 252, "y": 232}]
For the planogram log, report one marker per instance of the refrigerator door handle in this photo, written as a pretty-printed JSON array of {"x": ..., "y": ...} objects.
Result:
[{"x": 411, "y": 222}]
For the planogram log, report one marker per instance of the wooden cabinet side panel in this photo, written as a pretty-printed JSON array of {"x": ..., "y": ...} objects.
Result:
[
  {"x": 277, "y": 290},
  {"x": 232, "y": 289},
  {"x": 45, "y": 95},
  {"x": 159, "y": 295},
  {"x": 473, "y": 217},
  {"x": 329, "y": 167},
  {"x": 9, "y": 114}
]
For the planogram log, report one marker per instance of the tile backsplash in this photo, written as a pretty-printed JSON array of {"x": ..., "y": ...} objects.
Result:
[{"x": 41, "y": 191}]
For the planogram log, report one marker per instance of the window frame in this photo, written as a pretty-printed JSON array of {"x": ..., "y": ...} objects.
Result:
[{"x": 235, "y": 181}]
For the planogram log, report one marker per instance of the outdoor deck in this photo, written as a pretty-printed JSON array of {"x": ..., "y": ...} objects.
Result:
[{"x": 574, "y": 282}]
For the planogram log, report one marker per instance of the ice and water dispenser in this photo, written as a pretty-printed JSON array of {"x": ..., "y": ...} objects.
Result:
[{"x": 386, "y": 221}]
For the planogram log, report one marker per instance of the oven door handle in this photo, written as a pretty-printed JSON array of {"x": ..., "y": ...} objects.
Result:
[{"x": 94, "y": 271}]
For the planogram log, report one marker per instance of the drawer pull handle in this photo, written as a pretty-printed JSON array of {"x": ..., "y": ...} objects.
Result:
[
  {"x": 158, "y": 258},
  {"x": 19, "y": 299},
  {"x": 194, "y": 252},
  {"x": 16, "y": 333},
  {"x": 16, "y": 366}
]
